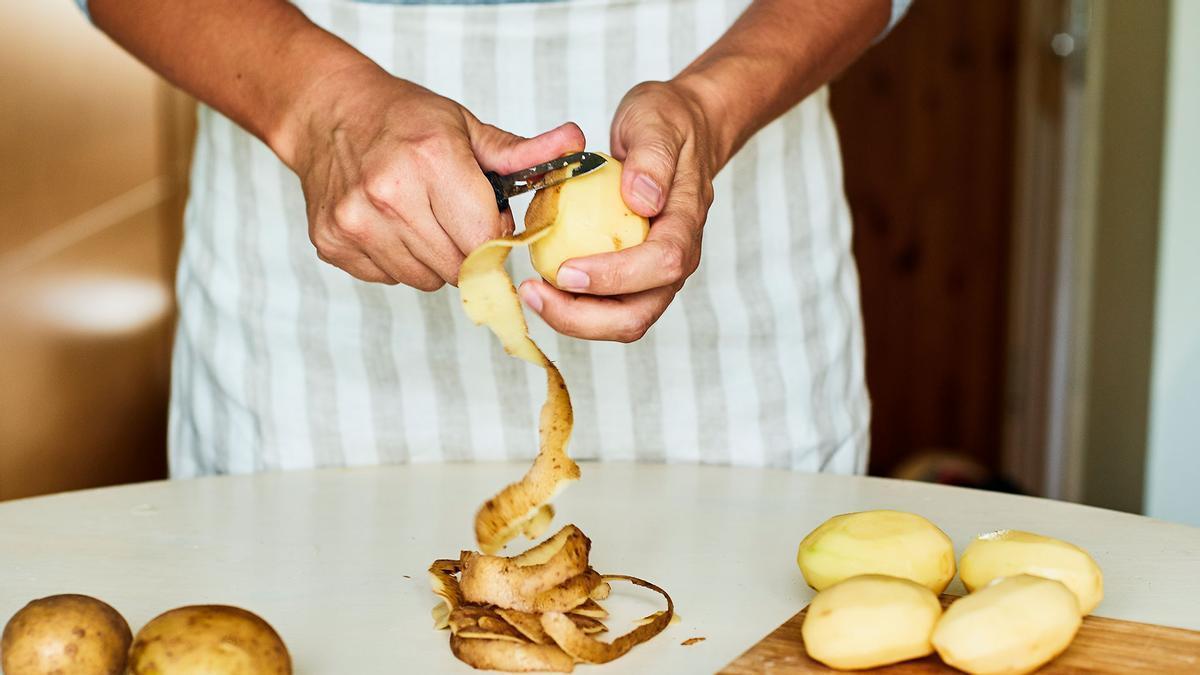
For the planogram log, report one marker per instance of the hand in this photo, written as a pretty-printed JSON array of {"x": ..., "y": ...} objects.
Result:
[
  {"x": 393, "y": 177},
  {"x": 661, "y": 133}
]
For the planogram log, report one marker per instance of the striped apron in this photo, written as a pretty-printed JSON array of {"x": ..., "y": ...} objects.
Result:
[{"x": 283, "y": 362}]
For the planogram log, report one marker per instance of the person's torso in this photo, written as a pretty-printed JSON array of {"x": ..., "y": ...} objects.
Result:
[{"x": 284, "y": 362}]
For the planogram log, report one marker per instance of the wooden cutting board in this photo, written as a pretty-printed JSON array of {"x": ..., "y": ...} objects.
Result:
[{"x": 1101, "y": 646}]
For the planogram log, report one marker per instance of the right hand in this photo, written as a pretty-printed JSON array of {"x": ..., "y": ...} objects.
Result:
[{"x": 393, "y": 177}]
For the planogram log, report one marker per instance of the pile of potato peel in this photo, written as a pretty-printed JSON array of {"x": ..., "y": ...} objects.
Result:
[{"x": 536, "y": 611}]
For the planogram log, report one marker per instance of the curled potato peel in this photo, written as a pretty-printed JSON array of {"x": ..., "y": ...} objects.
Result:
[
  {"x": 489, "y": 298},
  {"x": 505, "y": 581},
  {"x": 560, "y": 619},
  {"x": 530, "y": 624},
  {"x": 583, "y": 647},
  {"x": 474, "y": 621},
  {"x": 507, "y": 656}
]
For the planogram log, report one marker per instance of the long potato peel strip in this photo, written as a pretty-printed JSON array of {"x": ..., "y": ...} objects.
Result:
[
  {"x": 572, "y": 640},
  {"x": 489, "y": 298}
]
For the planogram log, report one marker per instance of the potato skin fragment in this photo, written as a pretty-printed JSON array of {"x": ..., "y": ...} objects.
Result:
[
  {"x": 536, "y": 526},
  {"x": 581, "y": 646},
  {"x": 476, "y": 622},
  {"x": 445, "y": 586},
  {"x": 511, "y": 657},
  {"x": 527, "y": 624},
  {"x": 565, "y": 597},
  {"x": 506, "y": 582}
]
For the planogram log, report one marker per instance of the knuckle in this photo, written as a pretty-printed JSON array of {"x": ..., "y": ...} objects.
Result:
[
  {"x": 658, "y": 155},
  {"x": 327, "y": 250},
  {"x": 632, "y": 329},
  {"x": 382, "y": 187},
  {"x": 431, "y": 149},
  {"x": 672, "y": 261},
  {"x": 352, "y": 227}
]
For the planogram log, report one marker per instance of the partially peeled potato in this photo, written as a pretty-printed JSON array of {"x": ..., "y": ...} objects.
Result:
[{"x": 586, "y": 216}]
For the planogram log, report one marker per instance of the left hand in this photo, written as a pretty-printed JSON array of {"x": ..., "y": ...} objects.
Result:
[{"x": 662, "y": 135}]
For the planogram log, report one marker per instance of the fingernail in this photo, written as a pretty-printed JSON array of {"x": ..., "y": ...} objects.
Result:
[
  {"x": 645, "y": 191},
  {"x": 531, "y": 298},
  {"x": 571, "y": 279}
]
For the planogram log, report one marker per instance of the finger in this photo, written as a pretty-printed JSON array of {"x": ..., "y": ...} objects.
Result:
[
  {"x": 429, "y": 243},
  {"x": 509, "y": 225},
  {"x": 651, "y": 152},
  {"x": 365, "y": 269},
  {"x": 359, "y": 266},
  {"x": 392, "y": 256},
  {"x": 624, "y": 319},
  {"x": 464, "y": 203},
  {"x": 502, "y": 152},
  {"x": 669, "y": 255},
  {"x": 364, "y": 241}
]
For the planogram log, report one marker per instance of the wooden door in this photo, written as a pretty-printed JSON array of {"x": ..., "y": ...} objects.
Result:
[{"x": 926, "y": 121}]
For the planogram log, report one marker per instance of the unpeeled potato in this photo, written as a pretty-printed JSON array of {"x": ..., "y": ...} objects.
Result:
[
  {"x": 68, "y": 634},
  {"x": 869, "y": 621},
  {"x": 208, "y": 640},
  {"x": 894, "y": 543},
  {"x": 1009, "y": 552},
  {"x": 1010, "y": 627},
  {"x": 588, "y": 216}
]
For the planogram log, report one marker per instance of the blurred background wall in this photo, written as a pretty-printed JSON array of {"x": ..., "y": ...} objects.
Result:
[
  {"x": 90, "y": 197},
  {"x": 1023, "y": 177}
]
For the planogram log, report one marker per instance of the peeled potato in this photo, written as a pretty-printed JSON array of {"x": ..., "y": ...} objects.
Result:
[
  {"x": 65, "y": 634},
  {"x": 208, "y": 640},
  {"x": 1010, "y": 627},
  {"x": 1009, "y": 552},
  {"x": 870, "y": 621},
  {"x": 588, "y": 216},
  {"x": 894, "y": 543}
]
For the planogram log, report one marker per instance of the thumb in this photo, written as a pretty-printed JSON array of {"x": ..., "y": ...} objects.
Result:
[
  {"x": 651, "y": 154},
  {"x": 502, "y": 152}
]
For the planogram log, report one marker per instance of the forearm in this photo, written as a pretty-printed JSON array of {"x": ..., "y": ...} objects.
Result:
[
  {"x": 774, "y": 55},
  {"x": 256, "y": 61}
]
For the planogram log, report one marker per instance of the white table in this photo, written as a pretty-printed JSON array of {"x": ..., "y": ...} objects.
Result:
[{"x": 336, "y": 559}]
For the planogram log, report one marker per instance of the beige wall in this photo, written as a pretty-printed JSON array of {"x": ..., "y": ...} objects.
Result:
[{"x": 90, "y": 152}]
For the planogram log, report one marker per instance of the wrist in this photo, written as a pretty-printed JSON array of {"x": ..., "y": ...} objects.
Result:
[
  {"x": 712, "y": 105},
  {"x": 321, "y": 101}
]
